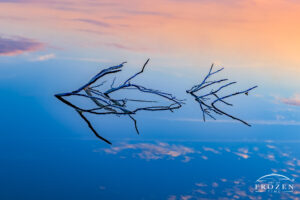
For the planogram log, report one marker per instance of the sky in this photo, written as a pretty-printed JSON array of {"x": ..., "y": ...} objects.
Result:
[
  {"x": 54, "y": 46},
  {"x": 246, "y": 33}
]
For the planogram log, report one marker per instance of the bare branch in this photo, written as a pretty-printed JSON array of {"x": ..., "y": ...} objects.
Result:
[
  {"x": 209, "y": 107},
  {"x": 106, "y": 105}
]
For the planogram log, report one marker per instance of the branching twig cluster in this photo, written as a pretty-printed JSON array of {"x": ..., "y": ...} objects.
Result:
[
  {"x": 105, "y": 104},
  {"x": 207, "y": 105}
]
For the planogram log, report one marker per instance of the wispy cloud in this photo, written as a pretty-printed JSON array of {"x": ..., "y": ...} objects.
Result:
[
  {"x": 153, "y": 13},
  {"x": 98, "y": 60},
  {"x": 258, "y": 122},
  {"x": 92, "y": 31},
  {"x": 93, "y": 22},
  {"x": 44, "y": 57},
  {"x": 128, "y": 48},
  {"x": 294, "y": 100},
  {"x": 18, "y": 45},
  {"x": 276, "y": 122}
]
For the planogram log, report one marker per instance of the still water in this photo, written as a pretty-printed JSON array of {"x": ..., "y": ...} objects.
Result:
[{"x": 48, "y": 152}]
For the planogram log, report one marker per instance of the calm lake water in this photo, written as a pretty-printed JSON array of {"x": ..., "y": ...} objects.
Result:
[{"x": 48, "y": 152}]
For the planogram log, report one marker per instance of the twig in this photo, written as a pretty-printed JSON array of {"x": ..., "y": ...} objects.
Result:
[{"x": 209, "y": 108}]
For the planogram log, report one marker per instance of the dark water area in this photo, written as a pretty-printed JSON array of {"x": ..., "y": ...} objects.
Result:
[{"x": 83, "y": 169}]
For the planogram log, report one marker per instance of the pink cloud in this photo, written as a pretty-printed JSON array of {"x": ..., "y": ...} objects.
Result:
[
  {"x": 294, "y": 100},
  {"x": 128, "y": 48},
  {"x": 18, "y": 45},
  {"x": 93, "y": 22}
]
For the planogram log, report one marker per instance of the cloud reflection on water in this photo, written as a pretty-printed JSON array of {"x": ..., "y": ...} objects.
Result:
[
  {"x": 274, "y": 157},
  {"x": 157, "y": 151}
]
